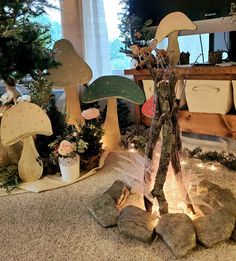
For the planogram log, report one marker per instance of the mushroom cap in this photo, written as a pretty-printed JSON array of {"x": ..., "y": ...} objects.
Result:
[
  {"x": 23, "y": 120},
  {"x": 172, "y": 22},
  {"x": 148, "y": 108},
  {"x": 73, "y": 70},
  {"x": 112, "y": 86}
]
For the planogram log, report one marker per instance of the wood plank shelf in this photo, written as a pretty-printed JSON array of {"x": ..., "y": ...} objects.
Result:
[
  {"x": 201, "y": 123},
  {"x": 208, "y": 123},
  {"x": 194, "y": 72}
]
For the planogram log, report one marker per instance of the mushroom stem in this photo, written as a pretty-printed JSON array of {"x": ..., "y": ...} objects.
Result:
[
  {"x": 173, "y": 48},
  {"x": 73, "y": 110},
  {"x": 30, "y": 166},
  {"x": 111, "y": 138}
]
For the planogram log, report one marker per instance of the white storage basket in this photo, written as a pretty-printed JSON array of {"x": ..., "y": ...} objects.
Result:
[
  {"x": 148, "y": 86},
  {"x": 209, "y": 96}
]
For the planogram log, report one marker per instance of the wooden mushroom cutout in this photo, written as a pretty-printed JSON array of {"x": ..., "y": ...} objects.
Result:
[
  {"x": 111, "y": 88},
  {"x": 21, "y": 122},
  {"x": 71, "y": 72},
  {"x": 170, "y": 26}
]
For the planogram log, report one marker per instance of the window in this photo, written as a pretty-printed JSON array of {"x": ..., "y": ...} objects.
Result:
[
  {"x": 119, "y": 60},
  {"x": 53, "y": 20},
  {"x": 196, "y": 45}
]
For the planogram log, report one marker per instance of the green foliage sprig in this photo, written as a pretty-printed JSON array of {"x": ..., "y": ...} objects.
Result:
[
  {"x": 9, "y": 177},
  {"x": 136, "y": 137},
  {"x": 40, "y": 92},
  {"x": 132, "y": 29}
]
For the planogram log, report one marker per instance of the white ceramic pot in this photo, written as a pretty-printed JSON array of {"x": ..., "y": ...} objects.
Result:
[{"x": 70, "y": 168}]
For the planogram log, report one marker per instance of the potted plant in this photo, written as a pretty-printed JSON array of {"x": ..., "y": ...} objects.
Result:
[{"x": 66, "y": 151}]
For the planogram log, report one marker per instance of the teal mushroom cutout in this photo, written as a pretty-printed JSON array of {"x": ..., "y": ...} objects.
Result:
[{"x": 110, "y": 88}]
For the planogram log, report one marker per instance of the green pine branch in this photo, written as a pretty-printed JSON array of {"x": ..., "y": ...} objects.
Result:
[
  {"x": 23, "y": 42},
  {"x": 226, "y": 159}
]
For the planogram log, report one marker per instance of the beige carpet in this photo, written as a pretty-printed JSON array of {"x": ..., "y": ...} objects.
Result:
[{"x": 55, "y": 225}]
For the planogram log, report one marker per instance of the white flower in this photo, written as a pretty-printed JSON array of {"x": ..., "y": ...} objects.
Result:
[
  {"x": 65, "y": 148},
  {"x": 90, "y": 114}
]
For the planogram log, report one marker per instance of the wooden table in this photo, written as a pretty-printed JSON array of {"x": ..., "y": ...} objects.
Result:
[{"x": 201, "y": 123}]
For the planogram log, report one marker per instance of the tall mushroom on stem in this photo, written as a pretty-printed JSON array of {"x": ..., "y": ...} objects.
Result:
[
  {"x": 111, "y": 88},
  {"x": 170, "y": 26},
  {"x": 20, "y": 123},
  {"x": 71, "y": 72}
]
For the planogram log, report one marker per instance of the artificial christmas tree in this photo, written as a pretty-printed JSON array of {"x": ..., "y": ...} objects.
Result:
[
  {"x": 23, "y": 42},
  {"x": 24, "y": 52}
]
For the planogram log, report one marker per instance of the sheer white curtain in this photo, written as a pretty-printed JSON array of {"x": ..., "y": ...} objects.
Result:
[
  {"x": 72, "y": 23},
  {"x": 96, "y": 38},
  {"x": 84, "y": 24}
]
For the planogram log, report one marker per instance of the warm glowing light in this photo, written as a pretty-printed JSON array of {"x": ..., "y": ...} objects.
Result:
[
  {"x": 183, "y": 162},
  {"x": 74, "y": 134},
  {"x": 200, "y": 165},
  {"x": 132, "y": 147},
  {"x": 213, "y": 168},
  {"x": 190, "y": 213}
]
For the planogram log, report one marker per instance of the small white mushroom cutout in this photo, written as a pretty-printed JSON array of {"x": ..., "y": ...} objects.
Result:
[
  {"x": 71, "y": 72},
  {"x": 21, "y": 122},
  {"x": 170, "y": 26},
  {"x": 173, "y": 22}
]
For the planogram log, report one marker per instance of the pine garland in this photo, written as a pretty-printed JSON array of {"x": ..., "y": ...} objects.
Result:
[{"x": 226, "y": 159}]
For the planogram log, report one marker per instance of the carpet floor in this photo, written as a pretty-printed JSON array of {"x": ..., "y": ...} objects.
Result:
[{"x": 56, "y": 225}]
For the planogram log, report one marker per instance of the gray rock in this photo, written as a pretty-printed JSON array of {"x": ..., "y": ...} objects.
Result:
[
  {"x": 233, "y": 236},
  {"x": 137, "y": 223},
  {"x": 104, "y": 210},
  {"x": 119, "y": 192},
  {"x": 215, "y": 198},
  {"x": 214, "y": 228},
  {"x": 177, "y": 231}
]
